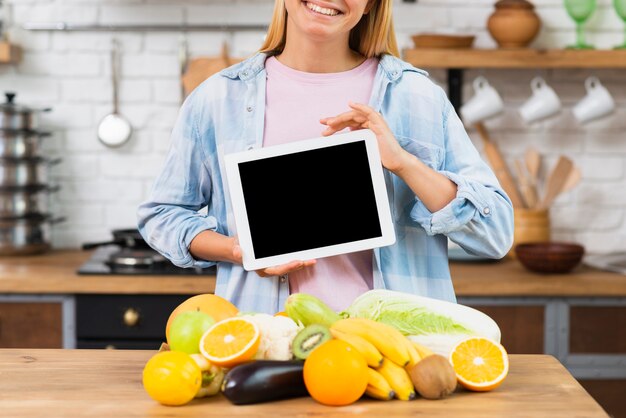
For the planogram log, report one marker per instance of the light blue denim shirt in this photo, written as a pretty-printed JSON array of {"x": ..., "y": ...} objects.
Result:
[{"x": 225, "y": 114}]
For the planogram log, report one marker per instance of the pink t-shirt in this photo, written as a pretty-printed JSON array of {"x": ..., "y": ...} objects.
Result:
[{"x": 295, "y": 102}]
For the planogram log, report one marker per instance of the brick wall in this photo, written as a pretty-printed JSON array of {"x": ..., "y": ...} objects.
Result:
[{"x": 101, "y": 187}]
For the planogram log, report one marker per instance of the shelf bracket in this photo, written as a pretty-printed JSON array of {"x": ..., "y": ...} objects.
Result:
[{"x": 455, "y": 88}]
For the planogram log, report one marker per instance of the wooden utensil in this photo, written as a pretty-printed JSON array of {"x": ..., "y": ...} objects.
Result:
[
  {"x": 556, "y": 181},
  {"x": 572, "y": 180},
  {"x": 529, "y": 193},
  {"x": 499, "y": 167},
  {"x": 199, "y": 69}
]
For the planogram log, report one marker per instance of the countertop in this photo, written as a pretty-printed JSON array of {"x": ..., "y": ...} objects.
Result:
[
  {"x": 107, "y": 383},
  {"x": 55, "y": 273}
]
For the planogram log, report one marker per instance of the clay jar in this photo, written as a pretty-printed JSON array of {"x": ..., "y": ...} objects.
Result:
[{"x": 514, "y": 24}]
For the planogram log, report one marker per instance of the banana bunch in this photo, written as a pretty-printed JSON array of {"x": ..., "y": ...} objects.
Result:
[{"x": 387, "y": 353}]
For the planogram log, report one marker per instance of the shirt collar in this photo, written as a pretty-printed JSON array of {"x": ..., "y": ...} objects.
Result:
[{"x": 393, "y": 67}]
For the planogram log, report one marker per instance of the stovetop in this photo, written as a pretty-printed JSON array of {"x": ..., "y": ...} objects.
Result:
[{"x": 100, "y": 264}]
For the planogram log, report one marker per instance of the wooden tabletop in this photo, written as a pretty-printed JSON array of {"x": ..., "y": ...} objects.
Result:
[
  {"x": 55, "y": 273},
  {"x": 107, "y": 383}
]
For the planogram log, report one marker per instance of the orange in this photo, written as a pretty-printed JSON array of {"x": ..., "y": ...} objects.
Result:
[
  {"x": 281, "y": 313},
  {"x": 230, "y": 342},
  {"x": 335, "y": 373},
  {"x": 172, "y": 378},
  {"x": 216, "y": 307},
  {"x": 480, "y": 364}
]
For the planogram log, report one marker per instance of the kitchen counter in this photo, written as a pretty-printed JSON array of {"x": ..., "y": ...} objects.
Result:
[
  {"x": 55, "y": 273},
  {"x": 106, "y": 383}
]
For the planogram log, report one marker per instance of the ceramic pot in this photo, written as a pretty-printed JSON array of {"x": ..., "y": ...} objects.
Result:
[{"x": 514, "y": 24}]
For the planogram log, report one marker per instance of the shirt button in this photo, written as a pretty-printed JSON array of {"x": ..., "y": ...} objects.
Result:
[
  {"x": 245, "y": 74},
  {"x": 249, "y": 108},
  {"x": 486, "y": 211},
  {"x": 283, "y": 278}
]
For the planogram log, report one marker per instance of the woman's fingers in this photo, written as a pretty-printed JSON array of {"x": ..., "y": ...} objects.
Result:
[{"x": 285, "y": 268}]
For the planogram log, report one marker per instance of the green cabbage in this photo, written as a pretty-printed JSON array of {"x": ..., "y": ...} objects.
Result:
[{"x": 424, "y": 319}]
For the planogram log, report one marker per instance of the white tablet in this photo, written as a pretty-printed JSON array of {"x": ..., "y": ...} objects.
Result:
[{"x": 309, "y": 199}]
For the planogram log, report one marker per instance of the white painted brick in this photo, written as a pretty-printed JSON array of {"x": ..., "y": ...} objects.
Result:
[
  {"x": 86, "y": 90},
  {"x": 602, "y": 167},
  {"x": 74, "y": 238},
  {"x": 140, "y": 14},
  {"x": 31, "y": 90},
  {"x": 75, "y": 167},
  {"x": 101, "y": 42},
  {"x": 469, "y": 18},
  {"x": 603, "y": 242},
  {"x": 68, "y": 116},
  {"x": 54, "y": 12},
  {"x": 208, "y": 43},
  {"x": 586, "y": 218},
  {"x": 82, "y": 215},
  {"x": 82, "y": 141},
  {"x": 123, "y": 190},
  {"x": 417, "y": 19},
  {"x": 168, "y": 91},
  {"x": 133, "y": 91},
  {"x": 150, "y": 65},
  {"x": 123, "y": 216},
  {"x": 64, "y": 65},
  {"x": 163, "y": 42},
  {"x": 255, "y": 13},
  {"x": 30, "y": 41},
  {"x": 246, "y": 43},
  {"x": 605, "y": 194},
  {"x": 130, "y": 166}
]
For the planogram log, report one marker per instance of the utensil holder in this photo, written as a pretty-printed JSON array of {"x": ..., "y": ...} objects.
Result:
[{"x": 530, "y": 225}]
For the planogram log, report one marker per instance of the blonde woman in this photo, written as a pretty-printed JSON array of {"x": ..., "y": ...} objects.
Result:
[{"x": 327, "y": 66}]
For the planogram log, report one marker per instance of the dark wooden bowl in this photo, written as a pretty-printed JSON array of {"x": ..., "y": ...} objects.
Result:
[{"x": 550, "y": 257}]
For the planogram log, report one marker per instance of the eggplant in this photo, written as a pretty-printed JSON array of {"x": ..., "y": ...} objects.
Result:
[{"x": 263, "y": 381}]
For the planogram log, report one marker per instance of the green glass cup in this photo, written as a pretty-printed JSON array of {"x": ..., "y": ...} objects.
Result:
[
  {"x": 620, "y": 9},
  {"x": 580, "y": 11}
]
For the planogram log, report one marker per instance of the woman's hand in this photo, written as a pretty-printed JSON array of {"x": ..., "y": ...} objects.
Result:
[
  {"x": 272, "y": 271},
  {"x": 392, "y": 155}
]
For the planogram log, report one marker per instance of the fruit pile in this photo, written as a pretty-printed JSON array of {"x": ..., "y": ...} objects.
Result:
[{"x": 307, "y": 350}]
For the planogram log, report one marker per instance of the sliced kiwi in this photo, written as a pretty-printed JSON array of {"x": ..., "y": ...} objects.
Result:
[{"x": 308, "y": 339}]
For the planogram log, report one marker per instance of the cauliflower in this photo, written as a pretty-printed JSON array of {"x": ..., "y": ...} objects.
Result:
[{"x": 277, "y": 334}]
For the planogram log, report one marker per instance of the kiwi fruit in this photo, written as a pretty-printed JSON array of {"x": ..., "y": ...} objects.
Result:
[{"x": 309, "y": 338}]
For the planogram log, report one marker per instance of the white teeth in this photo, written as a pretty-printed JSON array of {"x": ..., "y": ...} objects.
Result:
[{"x": 322, "y": 10}]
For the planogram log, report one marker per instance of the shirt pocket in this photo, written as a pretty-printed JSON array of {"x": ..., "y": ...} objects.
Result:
[{"x": 430, "y": 154}]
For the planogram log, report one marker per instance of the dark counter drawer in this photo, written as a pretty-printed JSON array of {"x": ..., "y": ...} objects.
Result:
[
  {"x": 124, "y": 316},
  {"x": 119, "y": 344}
]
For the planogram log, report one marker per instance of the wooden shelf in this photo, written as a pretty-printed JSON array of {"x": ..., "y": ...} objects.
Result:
[
  {"x": 9, "y": 53},
  {"x": 515, "y": 58}
]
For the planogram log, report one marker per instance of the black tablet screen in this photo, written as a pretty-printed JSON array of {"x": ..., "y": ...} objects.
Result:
[{"x": 309, "y": 199}]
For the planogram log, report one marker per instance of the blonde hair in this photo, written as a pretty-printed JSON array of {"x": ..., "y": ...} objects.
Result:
[{"x": 372, "y": 36}]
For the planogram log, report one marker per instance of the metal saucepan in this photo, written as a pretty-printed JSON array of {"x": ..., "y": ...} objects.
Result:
[
  {"x": 25, "y": 172},
  {"x": 26, "y": 236},
  {"x": 17, "y": 117},
  {"x": 21, "y": 144},
  {"x": 128, "y": 238},
  {"x": 25, "y": 201}
]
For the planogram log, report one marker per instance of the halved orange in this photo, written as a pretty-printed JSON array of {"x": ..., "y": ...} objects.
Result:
[
  {"x": 480, "y": 364},
  {"x": 230, "y": 342}
]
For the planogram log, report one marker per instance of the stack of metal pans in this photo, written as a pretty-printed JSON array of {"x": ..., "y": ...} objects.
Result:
[{"x": 24, "y": 188}]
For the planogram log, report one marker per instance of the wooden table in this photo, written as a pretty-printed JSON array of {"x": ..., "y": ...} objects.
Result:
[
  {"x": 55, "y": 273},
  {"x": 107, "y": 383}
]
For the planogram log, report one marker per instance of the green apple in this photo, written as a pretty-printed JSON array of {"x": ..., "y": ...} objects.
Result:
[{"x": 187, "y": 329}]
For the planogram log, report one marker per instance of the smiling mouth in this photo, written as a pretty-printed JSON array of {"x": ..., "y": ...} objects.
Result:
[{"x": 321, "y": 10}]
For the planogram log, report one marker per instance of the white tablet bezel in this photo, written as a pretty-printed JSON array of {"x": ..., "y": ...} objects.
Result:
[{"x": 250, "y": 262}]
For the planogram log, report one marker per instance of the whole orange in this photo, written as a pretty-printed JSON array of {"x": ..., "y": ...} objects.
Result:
[
  {"x": 335, "y": 373},
  {"x": 216, "y": 307}
]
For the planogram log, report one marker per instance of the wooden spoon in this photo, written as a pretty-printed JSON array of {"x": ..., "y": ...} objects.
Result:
[
  {"x": 529, "y": 193},
  {"x": 499, "y": 167},
  {"x": 556, "y": 181},
  {"x": 572, "y": 180}
]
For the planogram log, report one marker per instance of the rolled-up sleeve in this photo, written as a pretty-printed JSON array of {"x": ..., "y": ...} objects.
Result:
[
  {"x": 169, "y": 220},
  {"x": 480, "y": 217}
]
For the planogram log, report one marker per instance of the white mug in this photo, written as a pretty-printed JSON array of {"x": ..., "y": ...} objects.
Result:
[
  {"x": 543, "y": 103},
  {"x": 597, "y": 103},
  {"x": 485, "y": 103}
]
